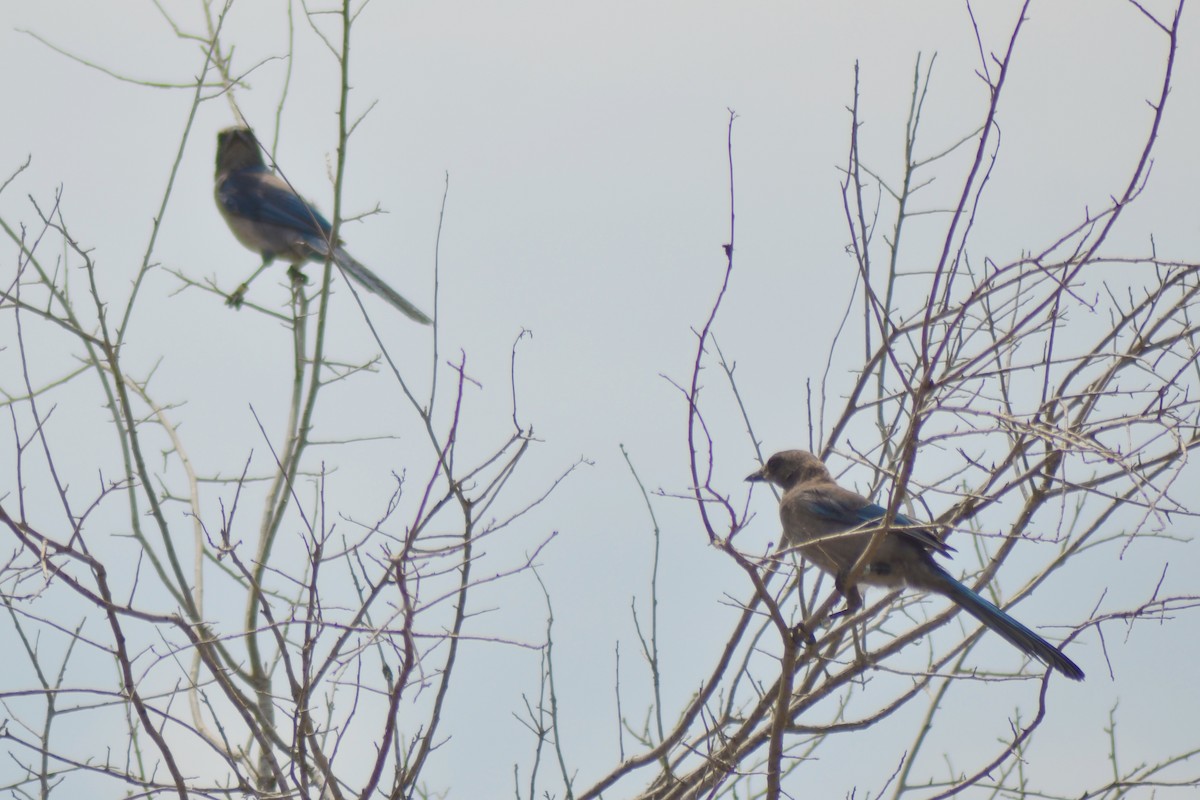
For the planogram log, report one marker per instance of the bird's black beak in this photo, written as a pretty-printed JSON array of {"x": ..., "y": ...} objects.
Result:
[{"x": 758, "y": 475}]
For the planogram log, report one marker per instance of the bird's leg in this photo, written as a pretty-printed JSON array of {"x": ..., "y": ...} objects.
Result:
[
  {"x": 854, "y": 602},
  {"x": 860, "y": 655},
  {"x": 851, "y": 594},
  {"x": 238, "y": 296}
]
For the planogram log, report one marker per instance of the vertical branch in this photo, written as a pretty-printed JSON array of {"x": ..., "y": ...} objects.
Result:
[
  {"x": 467, "y": 507},
  {"x": 781, "y": 716},
  {"x": 306, "y": 385},
  {"x": 650, "y": 648},
  {"x": 701, "y": 489},
  {"x": 941, "y": 269},
  {"x": 210, "y": 50}
]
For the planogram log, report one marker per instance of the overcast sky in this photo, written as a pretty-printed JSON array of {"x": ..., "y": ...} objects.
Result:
[{"x": 588, "y": 203}]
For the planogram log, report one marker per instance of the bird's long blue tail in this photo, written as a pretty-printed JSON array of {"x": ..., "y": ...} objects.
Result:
[
  {"x": 1016, "y": 633},
  {"x": 373, "y": 283}
]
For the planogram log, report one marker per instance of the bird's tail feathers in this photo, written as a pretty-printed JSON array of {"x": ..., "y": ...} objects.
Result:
[
  {"x": 1016, "y": 633},
  {"x": 373, "y": 283}
]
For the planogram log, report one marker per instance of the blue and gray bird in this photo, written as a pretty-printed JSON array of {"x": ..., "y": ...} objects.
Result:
[
  {"x": 831, "y": 527},
  {"x": 269, "y": 218}
]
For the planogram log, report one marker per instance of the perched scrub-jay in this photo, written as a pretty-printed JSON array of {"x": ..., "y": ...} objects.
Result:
[
  {"x": 268, "y": 217},
  {"x": 831, "y": 527}
]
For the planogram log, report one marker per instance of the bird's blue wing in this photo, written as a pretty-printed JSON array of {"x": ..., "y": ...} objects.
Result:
[
  {"x": 260, "y": 196},
  {"x": 853, "y": 510}
]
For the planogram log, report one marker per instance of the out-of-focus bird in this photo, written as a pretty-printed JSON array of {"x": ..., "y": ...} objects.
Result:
[
  {"x": 269, "y": 218},
  {"x": 832, "y": 526}
]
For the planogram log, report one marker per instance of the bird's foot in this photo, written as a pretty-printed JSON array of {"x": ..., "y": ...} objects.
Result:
[
  {"x": 297, "y": 276},
  {"x": 802, "y": 635},
  {"x": 237, "y": 296}
]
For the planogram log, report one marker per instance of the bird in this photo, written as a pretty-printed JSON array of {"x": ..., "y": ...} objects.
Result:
[
  {"x": 267, "y": 216},
  {"x": 831, "y": 527}
]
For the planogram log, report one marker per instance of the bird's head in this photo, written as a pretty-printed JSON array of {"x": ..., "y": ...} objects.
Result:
[
  {"x": 789, "y": 468},
  {"x": 237, "y": 149}
]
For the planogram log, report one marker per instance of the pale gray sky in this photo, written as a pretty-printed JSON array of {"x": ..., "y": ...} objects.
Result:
[{"x": 588, "y": 203}]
